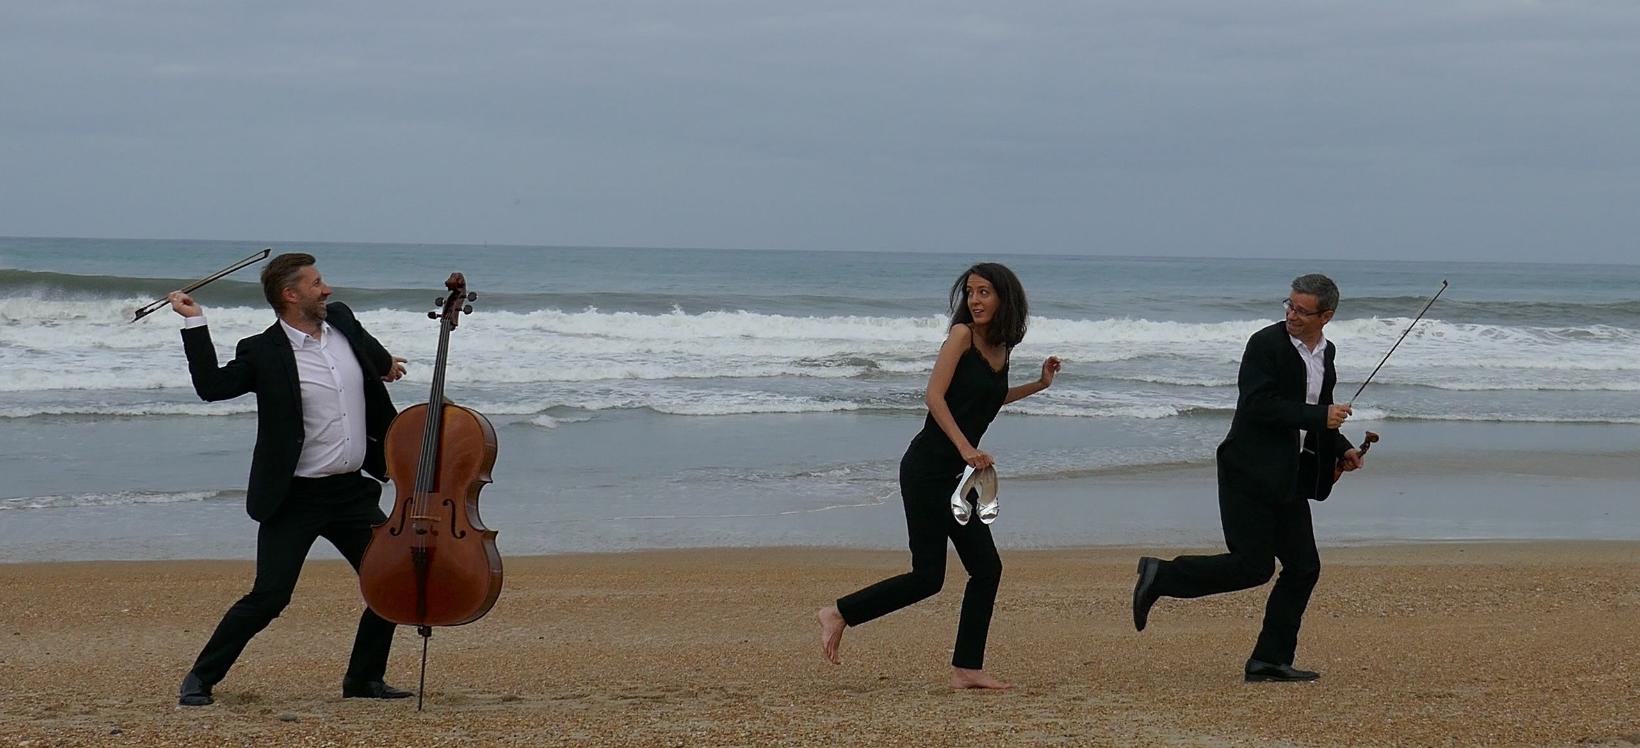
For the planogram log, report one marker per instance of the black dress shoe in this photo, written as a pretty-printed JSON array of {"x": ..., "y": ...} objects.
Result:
[
  {"x": 371, "y": 689},
  {"x": 194, "y": 692},
  {"x": 1144, "y": 591},
  {"x": 1259, "y": 671}
]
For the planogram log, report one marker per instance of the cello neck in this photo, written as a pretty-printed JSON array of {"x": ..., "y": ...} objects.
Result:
[
  {"x": 455, "y": 304},
  {"x": 427, "y": 473}
]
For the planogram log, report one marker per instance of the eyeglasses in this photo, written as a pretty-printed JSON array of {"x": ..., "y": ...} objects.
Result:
[{"x": 1298, "y": 310}]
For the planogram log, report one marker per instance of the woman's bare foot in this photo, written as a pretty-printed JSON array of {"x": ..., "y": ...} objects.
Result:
[
  {"x": 962, "y": 678},
  {"x": 831, "y": 632}
]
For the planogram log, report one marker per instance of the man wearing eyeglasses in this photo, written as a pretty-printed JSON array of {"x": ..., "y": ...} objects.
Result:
[{"x": 1280, "y": 452}]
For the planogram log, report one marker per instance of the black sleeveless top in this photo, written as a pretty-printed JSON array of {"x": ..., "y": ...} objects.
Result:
[{"x": 974, "y": 397}]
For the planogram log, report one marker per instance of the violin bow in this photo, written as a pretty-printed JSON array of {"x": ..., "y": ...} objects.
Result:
[
  {"x": 1372, "y": 437},
  {"x": 202, "y": 282},
  {"x": 1398, "y": 343}
]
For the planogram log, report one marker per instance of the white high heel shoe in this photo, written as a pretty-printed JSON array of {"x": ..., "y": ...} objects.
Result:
[{"x": 983, "y": 483}]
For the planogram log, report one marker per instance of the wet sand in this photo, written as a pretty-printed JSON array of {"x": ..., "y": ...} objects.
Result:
[{"x": 1430, "y": 644}]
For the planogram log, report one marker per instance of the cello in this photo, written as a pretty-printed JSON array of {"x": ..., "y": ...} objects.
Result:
[{"x": 433, "y": 563}]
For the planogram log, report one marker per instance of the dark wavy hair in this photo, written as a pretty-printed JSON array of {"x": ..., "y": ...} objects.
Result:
[
  {"x": 280, "y": 274},
  {"x": 1008, "y": 328}
]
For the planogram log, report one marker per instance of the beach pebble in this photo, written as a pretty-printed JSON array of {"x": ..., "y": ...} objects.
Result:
[{"x": 288, "y": 717}]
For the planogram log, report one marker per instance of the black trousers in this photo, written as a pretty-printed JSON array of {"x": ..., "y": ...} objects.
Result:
[
  {"x": 1258, "y": 532},
  {"x": 928, "y": 521},
  {"x": 339, "y": 508}
]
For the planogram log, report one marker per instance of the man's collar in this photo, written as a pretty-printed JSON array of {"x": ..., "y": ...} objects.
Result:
[
  {"x": 1320, "y": 343},
  {"x": 299, "y": 339}
]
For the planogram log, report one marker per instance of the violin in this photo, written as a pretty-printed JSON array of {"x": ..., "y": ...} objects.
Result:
[
  {"x": 1366, "y": 444},
  {"x": 433, "y": 562}
]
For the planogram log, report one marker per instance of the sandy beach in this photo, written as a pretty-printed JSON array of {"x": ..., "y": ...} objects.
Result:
[{"x": 1428, "y": 644}]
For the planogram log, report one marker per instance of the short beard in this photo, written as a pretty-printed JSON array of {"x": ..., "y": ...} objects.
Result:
[{"x": 315, "y": 311}]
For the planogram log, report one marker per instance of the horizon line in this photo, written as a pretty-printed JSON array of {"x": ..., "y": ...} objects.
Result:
[{"x": 511, "y": 245}]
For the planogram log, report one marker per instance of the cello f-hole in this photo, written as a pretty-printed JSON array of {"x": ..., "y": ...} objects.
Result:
[
  {"x": 397, "y": 531},
  {"x": 457, "y": 532}
]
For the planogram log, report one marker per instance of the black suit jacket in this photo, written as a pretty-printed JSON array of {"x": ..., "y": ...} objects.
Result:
[
  {"x": 1260, "y": 455},
  {"x": 266, "y": 365}
]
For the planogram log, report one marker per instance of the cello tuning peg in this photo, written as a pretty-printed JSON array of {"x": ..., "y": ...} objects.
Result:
[
  {"x": 472, "y": 296},
  {"x": 438, "y": 301},
  {"x": 467, "y": 309},
  {"x": 432, "y": 315}
]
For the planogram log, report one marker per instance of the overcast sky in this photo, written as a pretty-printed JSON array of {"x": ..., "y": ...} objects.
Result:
[{"x": 1485, "y": 129}]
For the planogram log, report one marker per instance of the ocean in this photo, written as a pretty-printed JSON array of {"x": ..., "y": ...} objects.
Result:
[{"x": 650, "y": 398}]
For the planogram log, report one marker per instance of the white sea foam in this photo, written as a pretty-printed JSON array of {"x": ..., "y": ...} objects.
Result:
[
  {"x": 1511, "y": 418},
  {"x": 58, "y": 352},
  {"x": 115, "y": 498},
  {"x": 546, "y": 421},
  {"x": 130, "y": 409}
]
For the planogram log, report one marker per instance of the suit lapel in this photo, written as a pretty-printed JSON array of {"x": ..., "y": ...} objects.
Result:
[
  {"x": 351, "y": 334},
  {"x": 353, "y": 342},
  {"x": 1296, "y": 373},
  {"x": 1331, "y": 375},
  {"x": 280, "y": 343}
]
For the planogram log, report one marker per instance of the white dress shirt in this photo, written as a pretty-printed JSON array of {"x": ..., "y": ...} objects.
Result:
[
  {"x": 332, "y": 402},
  {"x": 332, "y": 386},
  {"x": 1315, "y": 370}
]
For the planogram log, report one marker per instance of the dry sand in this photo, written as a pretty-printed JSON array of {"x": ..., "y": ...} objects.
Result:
[{"x": 1436, "y": 644}]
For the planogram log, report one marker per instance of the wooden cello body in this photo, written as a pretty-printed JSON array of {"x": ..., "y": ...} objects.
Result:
[
  {"x": 436, "y": 565},
  {"x": 433, "y": 562}
]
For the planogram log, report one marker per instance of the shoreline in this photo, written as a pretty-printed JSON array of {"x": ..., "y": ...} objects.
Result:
[
  {"x": 1444, "y": 643},
  {"x": 325, "y": 555},
  {"x": 1415, "y": 493},
  {"x": 622, "y": 482}
]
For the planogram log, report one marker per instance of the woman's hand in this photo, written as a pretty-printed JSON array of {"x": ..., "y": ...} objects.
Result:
[
  {"x": 979, "y": 460},
  {"x": 1050, "y": 367}
]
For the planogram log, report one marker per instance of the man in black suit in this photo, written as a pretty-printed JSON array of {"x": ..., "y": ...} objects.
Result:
[
  {"x": 322, "y": 411},
  {"x": 1280, "y": 452}
]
